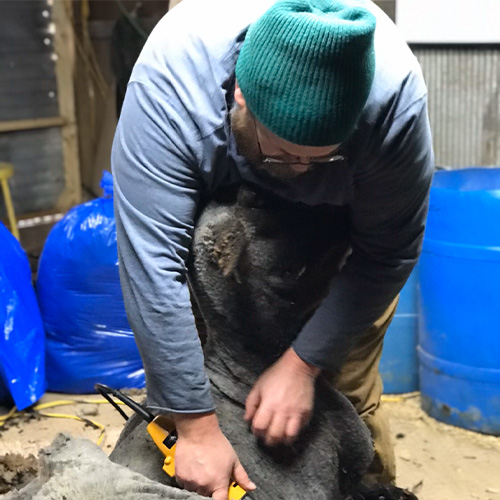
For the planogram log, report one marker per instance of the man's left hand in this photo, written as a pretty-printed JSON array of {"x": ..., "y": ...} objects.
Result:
[{"x": 281, "y": 401}]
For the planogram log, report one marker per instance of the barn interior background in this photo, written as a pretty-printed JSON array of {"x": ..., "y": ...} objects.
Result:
[
  {"x": 64, "y": 62},
  {"x": 64, "y": 65}
]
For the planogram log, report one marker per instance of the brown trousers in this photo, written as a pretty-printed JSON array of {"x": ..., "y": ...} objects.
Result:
[{"x": 359, "y": 379}]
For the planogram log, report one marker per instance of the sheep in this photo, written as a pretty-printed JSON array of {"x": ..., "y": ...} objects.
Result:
[{"x": 259, "y": 267}]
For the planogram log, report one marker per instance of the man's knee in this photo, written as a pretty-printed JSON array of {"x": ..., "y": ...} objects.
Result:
[{"x": 359, "y": 380}]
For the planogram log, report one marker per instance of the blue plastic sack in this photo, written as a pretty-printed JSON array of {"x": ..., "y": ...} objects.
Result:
[
  {"x": 22, "y": 351},
  {"x": 88, "y": 336},
  {"x": 5, "y": 397}
]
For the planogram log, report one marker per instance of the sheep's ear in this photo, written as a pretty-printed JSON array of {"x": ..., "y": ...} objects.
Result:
[{"x": 229, "y": 246}]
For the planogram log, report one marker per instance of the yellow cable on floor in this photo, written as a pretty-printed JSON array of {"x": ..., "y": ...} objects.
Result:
[
  {"x": 391, "y": 398},
  {"x": 63, "y": 402},
  {"x": 3, "y": 418},
  {"x": 93, "y": 423}
]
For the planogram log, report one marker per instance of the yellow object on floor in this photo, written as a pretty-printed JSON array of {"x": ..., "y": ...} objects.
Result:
[
  {"x": 43, "y": 406},
  {"x": 7, "y": 171}
]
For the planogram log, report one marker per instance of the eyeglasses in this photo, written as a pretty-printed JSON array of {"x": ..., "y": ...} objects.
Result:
[{"x": 276, "y": 160}]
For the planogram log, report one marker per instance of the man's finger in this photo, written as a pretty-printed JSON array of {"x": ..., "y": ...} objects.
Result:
[
  {"x": 220, "y": 493},
  {"x": 251, "y": 404},
  {"x": 276, "y": 432},
  {"x": 261, "y": 422},
  {"x": 241, "y": 477},
  {"x": 293, "y": 428}
]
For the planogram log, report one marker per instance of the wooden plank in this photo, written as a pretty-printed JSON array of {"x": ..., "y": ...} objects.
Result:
[
  {"x": 65, "y": 59},
  {"x": 6, "y": 172},
  {"x": 30, "y": 124}
]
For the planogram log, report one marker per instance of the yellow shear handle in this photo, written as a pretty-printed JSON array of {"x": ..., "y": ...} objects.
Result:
[{"x": 165, "y": 437}]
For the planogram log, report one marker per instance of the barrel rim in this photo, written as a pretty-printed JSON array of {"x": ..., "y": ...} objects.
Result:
[
  {"x": 440, "y": 175},
  {"x": 465, "y": 251},
  {"x": 458, "y": 370}
]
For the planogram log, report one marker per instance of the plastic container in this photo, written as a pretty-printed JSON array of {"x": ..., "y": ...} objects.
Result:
[
  {"x": 399, "y": 365},
  {"x": 459, "y": 324}
]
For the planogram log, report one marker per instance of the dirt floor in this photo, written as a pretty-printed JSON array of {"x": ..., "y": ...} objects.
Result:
[{"x": 434, "y": 460}]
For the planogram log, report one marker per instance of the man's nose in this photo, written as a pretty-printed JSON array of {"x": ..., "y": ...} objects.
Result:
[{"x": 304, "y": 160}]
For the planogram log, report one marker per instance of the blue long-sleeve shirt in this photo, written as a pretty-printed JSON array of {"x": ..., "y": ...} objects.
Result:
[{"x": 174, "y": 146}]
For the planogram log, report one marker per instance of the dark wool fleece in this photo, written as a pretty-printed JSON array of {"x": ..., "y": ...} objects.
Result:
[{"x": 260, "y": 266}]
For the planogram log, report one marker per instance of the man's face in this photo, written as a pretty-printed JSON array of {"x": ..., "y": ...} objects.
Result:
[{"x": 271, "y": 155}]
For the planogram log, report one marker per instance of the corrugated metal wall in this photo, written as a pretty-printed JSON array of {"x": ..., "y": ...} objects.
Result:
[
  {"x": 38, "y": 177},
  {"x": 28, "y": 90},
  {"x": 464, "y": 103},
  {"x": 464, "y": 100},
  {"x": 27, "y": 74}
]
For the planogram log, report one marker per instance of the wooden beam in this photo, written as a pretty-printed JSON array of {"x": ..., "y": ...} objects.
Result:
[
  {"x": 30, "y": 124},
  {"x": 64, "y": 46},
  {"x": 6, "y": 171}
]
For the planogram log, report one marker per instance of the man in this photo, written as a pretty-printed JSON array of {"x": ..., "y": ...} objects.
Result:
[{"x": 319, "y": 101}]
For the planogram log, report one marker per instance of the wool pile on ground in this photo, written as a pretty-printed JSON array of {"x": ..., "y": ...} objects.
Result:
[{"x": 77, "y": 469}]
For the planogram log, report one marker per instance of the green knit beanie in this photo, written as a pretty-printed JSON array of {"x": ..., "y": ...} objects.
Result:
[{"x": 306, "y": 68}]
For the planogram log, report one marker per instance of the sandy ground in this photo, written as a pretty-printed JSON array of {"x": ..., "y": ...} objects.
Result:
[{"x": 434, "y": 460}]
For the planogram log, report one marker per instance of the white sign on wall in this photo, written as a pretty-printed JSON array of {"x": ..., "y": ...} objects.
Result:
[{"x": 449, "y": 21}]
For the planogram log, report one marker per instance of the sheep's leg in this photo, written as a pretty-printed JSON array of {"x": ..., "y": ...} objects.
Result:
[{"x": 381, "y": 492}]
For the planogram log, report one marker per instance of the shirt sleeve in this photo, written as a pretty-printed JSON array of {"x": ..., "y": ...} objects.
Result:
[
  {"x": 387, "y": 218},
  {"x": 156, "y": 191}
]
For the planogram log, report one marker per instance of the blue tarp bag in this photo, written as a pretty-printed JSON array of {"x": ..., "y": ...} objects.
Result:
[
  {"x": 22, "y": 349},
  {"x": 88, "y": 336}
]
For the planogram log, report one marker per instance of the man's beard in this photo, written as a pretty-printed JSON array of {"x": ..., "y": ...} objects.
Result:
[{"x": 246, "y": 141}]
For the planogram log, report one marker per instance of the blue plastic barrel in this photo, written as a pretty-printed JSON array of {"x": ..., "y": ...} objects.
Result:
[
  {"x": 399, "y": 365},
  {"x": 459, "y": 324}
]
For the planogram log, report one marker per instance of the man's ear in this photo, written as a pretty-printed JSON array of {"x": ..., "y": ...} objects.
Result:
[{"x": 238, "y": 96}]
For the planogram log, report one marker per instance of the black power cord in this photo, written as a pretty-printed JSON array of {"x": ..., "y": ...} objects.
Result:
[{"x": 105, "y": 392}]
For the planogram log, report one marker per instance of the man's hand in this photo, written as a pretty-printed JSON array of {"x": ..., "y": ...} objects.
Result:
[
  {"x": 205, "y": 461},
  {"x": 281, "y": 401}
]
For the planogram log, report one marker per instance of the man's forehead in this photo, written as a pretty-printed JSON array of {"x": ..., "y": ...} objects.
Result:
[{"x": 290, "y": 148}]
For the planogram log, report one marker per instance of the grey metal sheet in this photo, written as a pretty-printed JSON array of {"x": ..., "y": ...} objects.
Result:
[
  {"x": 28, "y": 86},
  {"x": 464, "y": 103},
  {"x": 38, "y": 179}
]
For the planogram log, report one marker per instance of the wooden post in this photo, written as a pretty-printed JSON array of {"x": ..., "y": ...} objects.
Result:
[
  {"x": 65, "y": 58},
  {"x": 6, "y": 171}
]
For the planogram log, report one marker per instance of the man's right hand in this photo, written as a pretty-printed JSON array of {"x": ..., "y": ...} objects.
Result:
[{"x": 205, "y": 461}]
